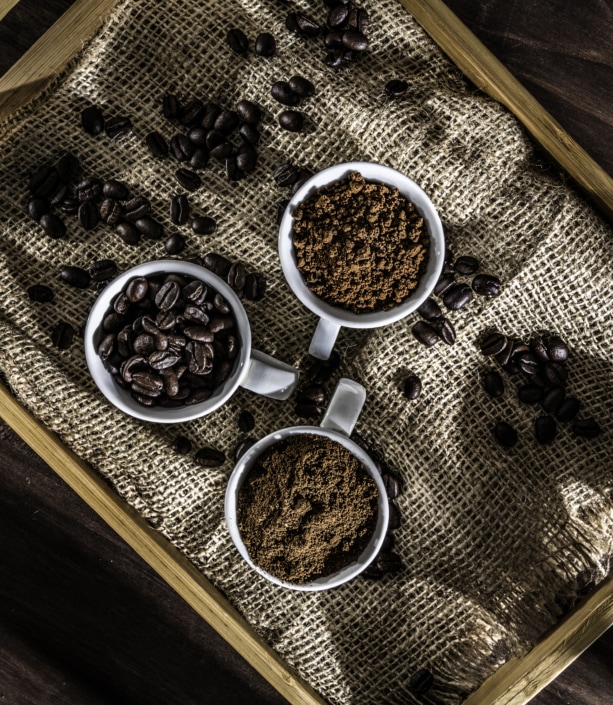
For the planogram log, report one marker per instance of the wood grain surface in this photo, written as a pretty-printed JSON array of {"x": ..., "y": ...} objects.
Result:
[{"x": 82, "y": 618}]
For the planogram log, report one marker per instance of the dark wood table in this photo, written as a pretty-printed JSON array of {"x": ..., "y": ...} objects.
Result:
[{"x": 82, "y": 618}]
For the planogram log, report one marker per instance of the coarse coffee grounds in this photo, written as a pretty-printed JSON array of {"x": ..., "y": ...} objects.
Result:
[
  {"x": 307, "y": 509},
  {"x": 361, "y": 246}
]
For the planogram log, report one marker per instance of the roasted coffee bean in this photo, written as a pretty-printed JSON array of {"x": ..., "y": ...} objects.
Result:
[
  {"x": 231, "y": 168},
  {"x": 486, "y": 285},
  {"x": 67, "y": 167},
  {"x": 40, "y": 293},
  {"x": 493, "y": 384},
  {"x": 505, "y": 434},
  {"x": 214, "y": 139},
  {"x": 355, "y": 41},
  {"x": 312, "y": 394},
  {"x": 466, "y": 265},
  {"x": 137, "y": 207},
  {"x": 553, "y": 397},
  {"x": 128, "y": 233},
  {"x": 200, "y": 158},
  {"x": 62, "y": 335},
  {"x": 425, "y": 333},
  {"x": 286, "y": 174},
  {"x": 75, "y": 276},
  {"x": 527, "y": 363},
  {"x": 171, "y": 108},
  {"x": 106, "y": 346},
  {"x": 118, "y": 127},
  {"x": 519, "y": 349},
  {"x": 89, "y": 189},
  {"x": 37, "y": 207},
  {"x": 394, "y": 518},
  {"x": 70, "y": 206},
  {"x": 181, "y": 148},
  {"x": 255, "y": 286},
  {"x": 308, "y": 410},
  {"x": 301, "y": 86},
  {"x": 148, "y": 383},
  {"x": 445, "y": 330},
  {"x": 333, "y": 40},
  {"x": 197, "y": 136},
  {"x": 218, "y": 264},
  {"x": 545, "y": 429},
  {"x": 265, "y": 44},
  {"x": 175, "y": 244},
  {"x": 165, "y": 320},
  {"x": 291, "y": 22},
  {"x": 568, "y": 409},
  {"x": 586, "y": 428},
  {"x": 334, "y": 58},
  {"x": 102, "y": 270},
  {"x": 555, "y": 373},
  {"x": 209, "y": 457},
  {"x": 236, "y": 276},
  {"x": 249, "y": 134},
  {"x": 396, "y": 88},
  {"x": 457, "y": 296},
  {"x": 430, "y": 310},
  {"x": 209, "y": 114},
  {"x": 204, "y": 225},
  {"x": 291, "y": 120},
  {"x": 222, "y": 151},
  {"x": 504, "y": 356},
  {"x": 237, "y": 41},
  {"x": 411, "y": 387},
  {"x": 149, "y": 228},
  {"x": 179, "y": 209},
  {"x": 281, "y": 92},
  {"x": 493, "y": 344},
  {"x": 246, "y": 159},
  {"x": 358, "y": 19},
  {"x": 52, "y": 225},
  {"x": 199, "y": 333},
  {"x": 116, "y": 190},
  {"x": 306, "y": 25},
  {"x": 227, "y": 121},
  {"x": 168, "y": 295},
  {"x": 192, "y": 113},
  {"x": 557, "y": 349},
  {"x": 242, "y": 447},
  {"x": 530, "y": 393},
  {"x": 144, "y": 344},
  {"x": 92, "y": 120},
  {"x": 195, "y": 313},
  {"x": 337, "y": 17},
  {"x": 393, "y": 484},
  {"x": 280, "y": 211},
  {"x": 246, "y": 421},
  {"x": 248, "y": 112},
  {"x": 182, "y": 445},
  {"x": 444, "y": 283},
  {"x": 188, "y": 179},
  {"x": 421, "y": 681},
  {"x": 157, "y": 145},
  {"x": 111, "y": 211},
  {"x": 58, "y": 194},
  {"x": 305, "y": 175},
  {"x": 538, "y": 348},
  {"x": 219, "y": 302}
]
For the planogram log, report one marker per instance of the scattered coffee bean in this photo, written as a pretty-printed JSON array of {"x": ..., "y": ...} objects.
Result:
[
  {"x": 171, "y": 108},
  {"x": 137, "y": 207},
  {"x": 62, "y": 335},
  {"x": 308, "y": 410},
  {"x": 388, "y": 562},
  {"x": 430, "y": 310},
  {"x": 209, "y": 457},
  {"x": 394, "y": 517},
  {"x": 200, "y": 158},
  {"x": 526, "y": 362},
  {"x": 493, "y": 384},
  {"x": 286, "y": 174},
  {"x": 192, "y": 113},
  {"x": 306, "y": 25},
  {"x": 291, "y": 120},
  {"x": 182, "y": 445},
  {"x": 181, "y": 148},
  {"x": 396, "y": 88},
  {"x": 355, "y": 41},
  {"x": 545, "y": 429},
  {"x": 255, "y": 287},
  {"x": 493, "y": 344},
  {"x": 412, "y": 387},
  {"x": 553, "y": 398},
  {"x": 248, "y": 112},
  {"x": 75, "y": 276},
  {"x": 40, "y": 293},
  {"x": 128, "y": 233},
  {"x": 118, "y": 127},
  {"x": 425, "y": 333},
  {"x": 226, "y": 122},
  {"x": 466, "y": 265},
  {"x": 421, "y": 681},
  {"x": 175, "y": 244},
  {"x": 505, "y": 434},
  {"x": 89, "y": 189},
  {"x": 149, "y": 228},
  {"x": 557, "y": 349},
  {"x": 586, "y": 428},
  {"x": 246, "y": 421},
  {"x": 179, "y": 209},
  {"x": 301, "y": 86},
  {"x": 157, "y": 145},
  {"x": 445, "y": 282},
  {"x": 555, "y": 373},
  {"x": 237, "y": 40},
  {"x": 188, "y": 179},
  {"x": 110, "y": 211},
  {"x": 246, "y": 159},
  {"x": 102, "y": 270},
  {"x": 445, "y": 330},
  {"x": 37, "y": 207},
  {"x": 393, "y": 484},
  {"x": 530, "y": 393},
  {"x": 92, "y": 120},
  {"x": 265, "y": 44},
  {"x": 282, "y": 92},
  {"x": 242, "y": 447},
  {"x": 204, "y": 225},
  {"x": 486, "y": 285},
  {"x": 218, "y": 264},
  {"x": 457, "y": 296},
  {"x": 52, "y": 225}
]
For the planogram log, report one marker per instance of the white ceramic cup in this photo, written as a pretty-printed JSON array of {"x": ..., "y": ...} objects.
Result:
[
  {"x": 332, "y": 318},
  {"x": 253, "y": 370},
  {"x": 337, "y": 425}
]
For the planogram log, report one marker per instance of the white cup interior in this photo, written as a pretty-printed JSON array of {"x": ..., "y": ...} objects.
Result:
[
  {"x": 240, "y": 473},
  {"x": 412, "y": 192},
  {"x": 122, "y": 398}
]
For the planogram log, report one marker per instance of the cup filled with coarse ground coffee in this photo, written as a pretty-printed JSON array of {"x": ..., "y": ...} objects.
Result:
[
  {"x": 169, "y": 341},
  {"x": 306, "y": 506},
  {"x": 362, "y": 246}
]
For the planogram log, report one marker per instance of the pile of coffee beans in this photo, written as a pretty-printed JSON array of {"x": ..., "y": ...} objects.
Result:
[
  {"x": 207, "y": 131},
  {"x": 291, "y": 93},
  {"x": 454, "y": 294},
  {"x": 344, "y": 31},
  {"x": 540, "y": 366},
  {"x": 171, "y": 340},
  {"x": 387, "y": 561},
  {"x": 207, "y": 457}
]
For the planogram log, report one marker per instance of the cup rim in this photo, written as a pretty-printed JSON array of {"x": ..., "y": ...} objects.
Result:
[
  {"x": 240, "y": 473},
  {"x": 121, "y": 398},
  {"x": 373, "y": 172}
]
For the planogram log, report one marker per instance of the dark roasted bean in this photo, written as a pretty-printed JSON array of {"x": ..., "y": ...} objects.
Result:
[
  {"x": 89, "y": 189},
  {"x": 237, "y": 41},
  {"x": 388, "y": 562},
  {"x": 40, "y": 293},
  {"x": 307, "y": 25},
  {"x": 92, "y": 120},
  {"x": 218, "y": 264},
  {"x": 53, "y": 225},
  {"x": 246, "y": 421},
  {"x": 209, "y": 457},
  {"x": 222, "y": 151},
  {"x": 557, "y": 349},
  {"x": 192, "y": 113},
  {"x": 586, "y": 428},
  {"x": 70, "y": 206},
  {"x": 421, "y": 681},
  {"x": 88, "y": 215},
  {"x": 200, "y": 158},
  {"x": 221, "y": 304},
  {"x": 128, "y": 233},
  {"x": 167, "y": 296},
  {"x": 291, "y": 120},
  {"x": 505, "y": 434},
  {"x": 236, "y": 276},
  {"x": 358, "y": 19},
  {"x": 75, "y": 276},
  {"x": 355, "y": 41},
  {"x": 530, "y": 393},
  {"x": 281, "y": 92},
  {"x": 106, "y": 346},
  {"x": 232, "y": 171},
  {"x": 103, "y": 270},
  {"x": 555, "y": 373},
  {"x": 188, "y": 179},
  {"x": 493, "y": 384},
  {"x": 553, "y": 398},
  {"x": 425, "y": 333},
  {"x": 37, "y": 207},
  {"x": 265, "y": 44},
  {"x": 394, "y": 520},
  {"x": 171, "y": 108},
  {"x": 337, "y": 17},
  {"x": 204, "y": 225},
  {"x": 457, "y": 296},
  {"x": 197, "y": 136},
  {"x": 149, "y": 228},
  {"x": 396, "y": 88},
  {"x": 493, "y": 344},
  {"x": 527, "y": 363},
  {"x": 504, "y": 356},
  {"x": 181, "y": 148},
  {"x": 538, "y": 348},
  {"x": 62, "y": 335},
  {"x": 411, "y": 387},
  {"x": 430, "y": 310},
  {"x": 118, "y": 127},
  {"x": 445, "y": 330},
  {"x": 44, "y": 182},
  {"x": 301, "y": 86},
  {"x": 393, "y": 484},
  {"x": 286, "y": 175},
  {"x": 445, "y": 282},
  {"x": 157, "y": 145},
  {"x": 249, "y": 134},
  {"x": 304, "y": 176},
  {"x": 545, "y": 429},
  {"x": 248, "y": 112},
  {"x": 568, "y": 409},
  {"x": 182, "y": 445},
  {"x": 308, "y": 410},
  {"x": 116, "y": 190},
  {"x": 179, "y": 209},
  {"x": 175, "y": 244},
  {"x": 111, "y": 211},
  {"x": 226, "y": 122},
  {"x": 486, "y": 285},
  {"x": 255, "y": 286},
  {"x": 137, "y": 207},
  {"x": 246, "y": 158},
  {"x": 312, "y": 394},
  {"x": 466, "y": 265},
  {"x": 242, "y": 447}
]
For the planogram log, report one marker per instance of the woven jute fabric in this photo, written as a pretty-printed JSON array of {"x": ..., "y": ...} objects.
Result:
[{"x": 495, "y": 543}]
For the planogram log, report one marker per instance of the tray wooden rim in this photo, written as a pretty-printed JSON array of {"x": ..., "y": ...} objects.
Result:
[{"x": 518, "y": 680}]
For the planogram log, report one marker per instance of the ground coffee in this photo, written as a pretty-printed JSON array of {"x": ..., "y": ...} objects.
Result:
[
  {"x": 360, "y": 246},
  {"x": 307, "y": 509}
]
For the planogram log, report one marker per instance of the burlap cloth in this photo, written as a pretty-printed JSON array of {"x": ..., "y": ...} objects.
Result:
[{"x": 495, "y": 543}]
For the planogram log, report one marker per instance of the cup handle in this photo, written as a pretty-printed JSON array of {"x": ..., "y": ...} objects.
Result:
[
  {"x": 270, "y": 377},
  {"x": 344, "y": 407},
  {"x": 322, "y": 342}
]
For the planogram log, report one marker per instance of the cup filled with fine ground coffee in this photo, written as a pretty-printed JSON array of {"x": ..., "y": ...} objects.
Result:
[
  {"x": 306, "y": 506},
  {"x": 168, "y": 341},
  {"x": 362, "y": 246}
]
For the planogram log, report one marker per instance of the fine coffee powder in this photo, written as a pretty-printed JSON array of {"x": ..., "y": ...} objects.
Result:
[
  {"x": 307, "y": 509},
  {"x": 361, "y": 246}
]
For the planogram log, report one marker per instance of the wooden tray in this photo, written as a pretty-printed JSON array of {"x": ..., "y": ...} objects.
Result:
[{"x": 519, "y": 679}]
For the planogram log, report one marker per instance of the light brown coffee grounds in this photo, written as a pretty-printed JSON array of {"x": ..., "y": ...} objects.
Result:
[
  {"x": 361, "y": 246},
  {"x": 307, "y": 509}
]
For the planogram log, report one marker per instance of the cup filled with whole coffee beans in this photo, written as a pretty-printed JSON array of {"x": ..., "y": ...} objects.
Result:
[
  {"x": 362, "y": 246},
  {"x": 169, "y": 341},
  {"x": 306, "y": 506}
]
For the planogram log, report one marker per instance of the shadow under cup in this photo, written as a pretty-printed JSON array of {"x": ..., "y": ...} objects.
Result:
[{"x": 333, "y": 318}]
